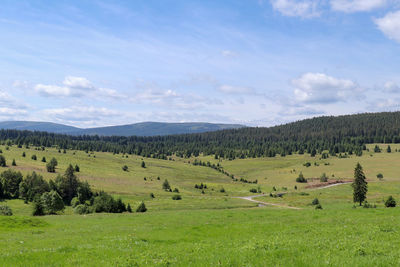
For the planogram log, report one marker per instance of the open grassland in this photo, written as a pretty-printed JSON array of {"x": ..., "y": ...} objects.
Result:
[{"x": 213, "y": 228}]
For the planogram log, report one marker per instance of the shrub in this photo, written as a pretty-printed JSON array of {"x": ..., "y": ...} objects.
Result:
[
  {"x": 143, "y": 165},
  {"x": 52, "y": 202},
  {"x": 315, "y": 201},
  {"x": 222, "y": 190},
  {"x": 104, "y": 202},
  {"x": 2, "y": 161},
  {"x": 23, "y": 154},
  {"x": 14, "y": 163},
  {"x": 77, "y": 169},
  {"x": 176, "y": 197},
  {"x": 51, "y": 166},
  {"x": 81, "y": 209},
  {"x": 379, "y": 176},
  {"x": 38, "y": 209},
  {"x": 6, "y": 211},
  {"x": 34, "y": 157},
  {"x": 44, "y": 159},
  {"x": 301, "y": 178},
  {"x": 166, "y": 185},
  {"x": 75, "y": 202},
  {"x": 323, "y": 178},
  {"x": 390, "y": 202},
  {"x": 253, "y": 190},
  {"x": 307, "y": 164},
  {"x": 318, "y": 207},
  {"x": 141, "y": 207},
  {"x": 152, "y": 195},
  {"x": 125, "y": 168},
  {"x": 128, "y": 208},
  {"x": 176, "y": 190}
]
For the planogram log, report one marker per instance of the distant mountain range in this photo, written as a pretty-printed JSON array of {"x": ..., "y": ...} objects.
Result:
[{"x": 139, "y": 129}]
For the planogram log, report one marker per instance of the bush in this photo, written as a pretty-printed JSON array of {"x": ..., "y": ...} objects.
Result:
[
  {"x": 143, "y": 165},
  {"x": 253, "y": 190},
  {"x": 81, "y": 209},
  {"x": 23, "y": 154},
  {"x": 176, "y": 190},
  {"x": 176, "y": 197},
  {"x": 52, "y": 202},
  {"x": 38, "y": 209},
  {"x": 166, "y": 185},
  {"x": 34, "y": 157},
  {"x": 390, "y": 202},
  {"x": 152, "y": 195},
  {"x": 6, "y": 211},
  {"x": 315, "y": 202},
  {"x": 2, "y": 161},
  {"x": 318, "y": 207},
  {"x": 128, "y": 208},
  {"x": 77, "y": 169},
  {"x": 75, "y": 202},
  {"x": 44, "y": 159},
  {"x": 104, "y": 202},
  {"x": 51, "y": 166},
  {"x": 14, "y": 163},
  {"x": 222, "y": 190},
  {"x": 323, "y": 178},
  {"x": 301, "y": 178},
  {"x": 379, "y": 176},
  {"x": 368, "y": 206},
  {"x": 125, "y": 168},
  {"x": 141, "y": 207}
]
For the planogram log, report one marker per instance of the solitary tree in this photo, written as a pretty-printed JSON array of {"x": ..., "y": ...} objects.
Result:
[
  {"x": 143, "y": 164},
  {"x": 166, "y": 185},
  {"x": 389, "y": 149},
  {"x": 360, "y": 185}
]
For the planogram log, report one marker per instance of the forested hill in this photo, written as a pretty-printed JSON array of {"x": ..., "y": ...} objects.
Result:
[
  {"x": 336, "y": 134},
  {"x": 139, "y": 129}
]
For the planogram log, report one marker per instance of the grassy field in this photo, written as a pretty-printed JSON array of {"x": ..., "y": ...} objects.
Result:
[{"x": 213, "y": 228}]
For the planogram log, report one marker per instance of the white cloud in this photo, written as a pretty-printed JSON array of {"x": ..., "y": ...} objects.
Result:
[
  {"x": 296, "y": 8},
  {"x": 321, "y": 88},
  {"x": 52, "y": 90},
  {"x": 78, "y": 82},
  {"x": 390, "y": 25},
  {"x": 350, "y": 6},
  {"x": 229, "y": 89},
  {"x": 391, "y": 87}
]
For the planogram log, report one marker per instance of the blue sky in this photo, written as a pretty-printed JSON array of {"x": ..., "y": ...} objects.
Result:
[{"x": 255, "y": 62}]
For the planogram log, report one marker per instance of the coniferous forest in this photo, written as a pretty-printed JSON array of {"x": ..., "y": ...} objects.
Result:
[{"x": 342, "y": 134}]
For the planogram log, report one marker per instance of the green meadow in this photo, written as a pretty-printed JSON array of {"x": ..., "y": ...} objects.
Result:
[{"x": 214, "y": 227}]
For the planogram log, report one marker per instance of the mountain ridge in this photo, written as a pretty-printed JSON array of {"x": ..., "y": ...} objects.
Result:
[{"x": 148, "y": 128}]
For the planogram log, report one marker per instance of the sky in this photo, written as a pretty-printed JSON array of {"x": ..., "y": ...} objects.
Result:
[{"x": 254, "y": 62}]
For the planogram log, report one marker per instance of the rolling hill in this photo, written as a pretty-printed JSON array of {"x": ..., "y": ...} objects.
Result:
[{"x": 138, "y": 129}]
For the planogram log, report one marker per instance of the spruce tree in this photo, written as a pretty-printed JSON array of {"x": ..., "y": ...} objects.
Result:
[{"x": 360, "y": 185}]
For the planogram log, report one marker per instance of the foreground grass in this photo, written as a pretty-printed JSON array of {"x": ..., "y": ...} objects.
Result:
[{"x": 239, "y": 237}]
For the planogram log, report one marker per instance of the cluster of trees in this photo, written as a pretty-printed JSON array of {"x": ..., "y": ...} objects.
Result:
[
  {"x": 52, "y": 197},
  {"x": 343, "y": 134}
]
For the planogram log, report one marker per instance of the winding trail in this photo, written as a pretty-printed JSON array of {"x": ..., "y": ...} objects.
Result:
[{"x": 251, "y": 198}]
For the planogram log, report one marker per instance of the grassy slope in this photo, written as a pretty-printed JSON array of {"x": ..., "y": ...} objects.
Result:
[{"x": 200, "y": 229}]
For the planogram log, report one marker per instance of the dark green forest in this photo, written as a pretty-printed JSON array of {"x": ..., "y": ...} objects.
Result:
[{"x": 341, "y": 134}]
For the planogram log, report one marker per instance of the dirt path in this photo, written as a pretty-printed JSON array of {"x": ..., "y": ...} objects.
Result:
[
  {"x": 331, "y": 185},
  {"x": 251, "y": 198}
]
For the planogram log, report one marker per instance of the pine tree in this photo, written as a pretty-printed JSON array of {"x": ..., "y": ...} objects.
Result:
[
  {"x": 14, "y": 163},
  {"x": 141, "y": 207},
  {"x": 389, "y": 149},
  {"x": 360, "y": 185}
]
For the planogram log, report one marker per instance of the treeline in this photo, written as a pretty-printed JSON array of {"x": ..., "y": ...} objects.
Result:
[{"x": 342, "y": 134}]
